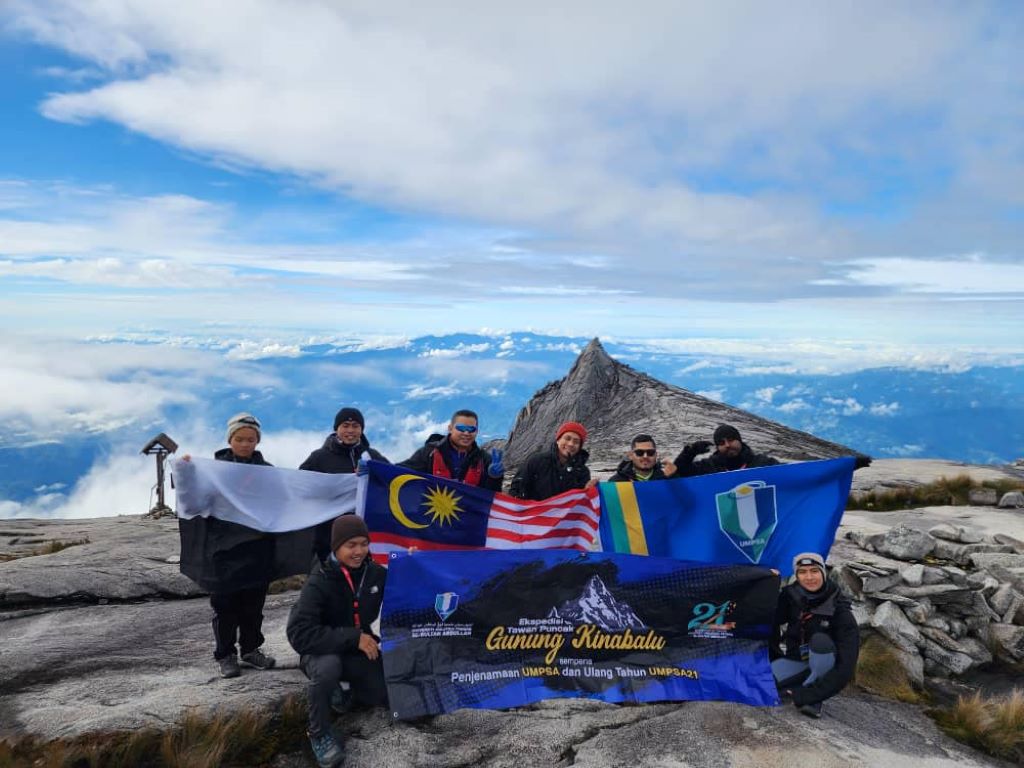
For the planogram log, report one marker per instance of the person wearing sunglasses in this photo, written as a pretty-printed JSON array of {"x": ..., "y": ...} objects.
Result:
[
  {"x": 641, "y": 464},
  {"x": 456, "y": 456}
]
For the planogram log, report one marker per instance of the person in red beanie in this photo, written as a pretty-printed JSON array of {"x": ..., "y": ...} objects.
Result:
[{"x": 559, "y": 469}]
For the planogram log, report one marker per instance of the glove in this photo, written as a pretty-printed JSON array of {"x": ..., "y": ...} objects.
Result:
[
  {"x": 695, "y": 449},
  {"x": 361, "y": 467},
  {"x": 497, "y": 469}
]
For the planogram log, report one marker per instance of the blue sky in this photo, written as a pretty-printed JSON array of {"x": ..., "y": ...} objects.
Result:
[{"x": 816, "y": 172}]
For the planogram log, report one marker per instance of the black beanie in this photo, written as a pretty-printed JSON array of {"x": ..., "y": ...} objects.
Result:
[
  {"x": 349, "y": 414},
  {"x": 347, "y": 527},
  {"x": 726, "y": 432}
]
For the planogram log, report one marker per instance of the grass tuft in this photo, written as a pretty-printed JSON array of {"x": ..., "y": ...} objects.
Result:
[
  {"x": 879, "y": 672},
  {"x": 994, "y": 725},
  {"x": 946, "y": 491}
]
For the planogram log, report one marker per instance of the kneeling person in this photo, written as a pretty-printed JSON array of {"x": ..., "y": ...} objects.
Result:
[
  {"x": 822, "y": 639},
  {"x": 329, "y": 627}
]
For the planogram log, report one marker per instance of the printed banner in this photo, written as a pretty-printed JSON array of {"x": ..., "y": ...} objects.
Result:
[
  {"x": 404, "y": 508},
  {"x": 763, "y": 516},
  {"x": 504, "y": 629},
  {"x": 269, "y": 499}
]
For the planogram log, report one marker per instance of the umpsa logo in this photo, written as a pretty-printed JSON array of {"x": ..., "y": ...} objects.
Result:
[
  {"x": 747, "y": 516},
  {"x": 445, "y": 604}
]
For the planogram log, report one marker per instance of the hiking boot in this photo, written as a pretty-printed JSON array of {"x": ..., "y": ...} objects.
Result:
[
  {"x": 326, "y": 749},
  {"x": 258, "y": 659},
  {"x": 811, "y": 710},
  {"x": 341, "y": 700},
  {"x": 229, "y": 666}
]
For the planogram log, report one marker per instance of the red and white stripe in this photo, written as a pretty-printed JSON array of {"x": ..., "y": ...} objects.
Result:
[{"x": 569, "y": 520}]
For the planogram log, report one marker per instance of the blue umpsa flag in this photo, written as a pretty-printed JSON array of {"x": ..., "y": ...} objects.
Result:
[{"x": 762, "y": 516}]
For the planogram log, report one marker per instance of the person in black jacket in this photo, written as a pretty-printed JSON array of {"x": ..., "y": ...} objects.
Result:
[
  {"x": 243, "y": 561},
  {"x": 730, "y": 453},
  {"x": 330, "y": 628},
  {"x": 456, "y": 456},
  {"x": 642, "y": 463},
  {"x": 340, "y": 454},
  {"x": 559, "y": 469},
  {"x": 822, "y": 640}
]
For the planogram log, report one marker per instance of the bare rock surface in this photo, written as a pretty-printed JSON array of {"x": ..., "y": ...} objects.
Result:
[
  {"x": 902, "y": 473},
  {"x": 615, "y": 402}
]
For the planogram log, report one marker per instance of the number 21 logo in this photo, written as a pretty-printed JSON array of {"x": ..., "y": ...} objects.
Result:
[{"x": 709, "y": 614}]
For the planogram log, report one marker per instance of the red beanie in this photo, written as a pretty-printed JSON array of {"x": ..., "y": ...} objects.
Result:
[{"x": 572, "y": 426}]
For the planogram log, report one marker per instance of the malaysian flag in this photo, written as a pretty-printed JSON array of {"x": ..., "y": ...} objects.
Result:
[{"x": 404, "y": 508}]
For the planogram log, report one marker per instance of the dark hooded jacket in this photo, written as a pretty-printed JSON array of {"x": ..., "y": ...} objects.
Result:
[
  {"x": 798, "y": 616},
  {"x": 716, "y": 462},
  {"x": 322, "y": 620},
  {"x": 544, "y": 476},
  {"x": 221, "y": 556},
  {"x": 423, "y": 461},
  {"x": 336, "y": 458},
  {"x": 626, "y": 473}
]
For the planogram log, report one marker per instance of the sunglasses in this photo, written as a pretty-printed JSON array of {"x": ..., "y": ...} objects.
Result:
[
  {"x": 467, "y": 428},
  {"x": 645, "y": 451}
]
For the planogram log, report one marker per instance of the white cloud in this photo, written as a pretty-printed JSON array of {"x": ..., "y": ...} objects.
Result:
[
  {"x": 884, "y": 409},
  {"x": 712, "y": 394},
  {"x": 792, "y": 406},
  {"x": 847, "y": 406},
  {"x": 766, "y": 394},
  {"x": 418, "y": 391},
  {"x": 972, "y": 274}
]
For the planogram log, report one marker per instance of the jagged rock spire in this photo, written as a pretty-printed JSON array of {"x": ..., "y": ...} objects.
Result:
[{"x": 615, "y": 402}]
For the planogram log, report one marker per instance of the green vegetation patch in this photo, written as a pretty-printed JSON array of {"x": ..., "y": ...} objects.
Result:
[
  {"x": 992, "y": 724},
  {"x": 880, "y": 672},
  {"x": 946, "y": 491},
  {"x": 247, "y": 738}
]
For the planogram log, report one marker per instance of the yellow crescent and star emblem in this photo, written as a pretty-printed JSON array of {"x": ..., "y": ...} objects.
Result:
[{"x": 442, "y": 504}]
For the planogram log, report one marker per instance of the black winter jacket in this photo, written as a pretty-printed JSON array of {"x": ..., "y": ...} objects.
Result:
[
  {"x": 716, "y": 462},
  {"x": 798, "y": 616},
  {"x": 322, "y": 621},
  {"x": 423, "y": 461},
  {"x": 626, "y": 473},
  {"x": 544, "y": 476},
  {"x": 335, "y": 458}
]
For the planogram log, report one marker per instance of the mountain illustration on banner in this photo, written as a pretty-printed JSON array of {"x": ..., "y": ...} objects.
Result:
[{"x": 596, "y": 605}]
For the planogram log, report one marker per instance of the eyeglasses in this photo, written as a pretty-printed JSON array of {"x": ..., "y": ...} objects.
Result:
[
  {"x": 468, "y": 428},
  {"x": 645, "y": 451}
]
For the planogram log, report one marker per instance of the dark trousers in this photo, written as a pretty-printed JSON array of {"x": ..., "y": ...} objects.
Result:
[
  {"x": 238, "y": 616},
  {"x": 325, "y": 672}
]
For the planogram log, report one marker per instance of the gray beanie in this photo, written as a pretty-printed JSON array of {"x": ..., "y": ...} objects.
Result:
[
  {"x": 243, "y": 419},
  {"x": 810, "y": 558}
]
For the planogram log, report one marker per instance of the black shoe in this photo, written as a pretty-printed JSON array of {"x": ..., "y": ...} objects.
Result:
[
  {"x": 229, "y": 666},
  {"x": 811, "y": 710},
  {"x": 341, "y": 700},
  {"x": 258, "y": 659}
]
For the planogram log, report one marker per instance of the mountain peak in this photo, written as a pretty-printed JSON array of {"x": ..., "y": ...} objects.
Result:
[{"x": 615, "y": 402}]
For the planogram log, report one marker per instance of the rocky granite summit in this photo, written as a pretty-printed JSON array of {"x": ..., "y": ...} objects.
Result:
[{"x": 615, "y": 402}]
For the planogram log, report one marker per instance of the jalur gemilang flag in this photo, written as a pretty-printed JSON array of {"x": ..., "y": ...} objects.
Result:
[{"x": 404, "y": 508}]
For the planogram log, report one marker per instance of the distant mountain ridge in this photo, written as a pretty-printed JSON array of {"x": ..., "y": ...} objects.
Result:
[{"x": 615, "y": 402}]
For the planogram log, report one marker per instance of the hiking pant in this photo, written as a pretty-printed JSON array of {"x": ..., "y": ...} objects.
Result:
[
  {"x": 238, "y": 616},
  {"x": 365, "y": 677},
  {"x": 821, "y": 658}
]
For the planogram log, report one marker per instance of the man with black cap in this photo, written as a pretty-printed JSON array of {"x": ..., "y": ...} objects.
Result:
[
  {"x": 330, "y": 628},
  {"x": 730, "y": 453},
  {"x": 814, "y": 621},
  {"x": 340, "y": 454}
]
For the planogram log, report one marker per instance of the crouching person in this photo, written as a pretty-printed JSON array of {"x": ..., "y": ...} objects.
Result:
[
  {"x": 329, "y": 627},
  {"x": 822, "y": 640}
]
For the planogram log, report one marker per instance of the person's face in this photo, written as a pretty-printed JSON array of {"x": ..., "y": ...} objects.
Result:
[
  {"x": 462, "y": 432},
  {"x": 243, "y": 442},
  {"x": 353, "y": 552},
  {"x": 729, "y": 447},
  {"x": 809, "y": 577},
  {"x": 643, "y": 456},
  {"x": 568, "y": 445},
  {"x": 349, "y": 432}
]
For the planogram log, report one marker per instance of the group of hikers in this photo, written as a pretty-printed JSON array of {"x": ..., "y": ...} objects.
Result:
[{"x": 813, "y": 651}]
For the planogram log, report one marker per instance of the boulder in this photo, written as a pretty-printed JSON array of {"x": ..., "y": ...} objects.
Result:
[
  {"x": 956, "y": 533},
  {"x": 1012, "y": 500},
  {"x": 861, "y": 539},
  {"x": 900, "y": 600},
  {"x": 957, "y": 628},
  {"x": 863, "y": 612},
  {"x": 976, "y": 649},
  {"x": 894, "y": 626},
  {"x": 860, "y": 581},
  {"x": 1001, "y": 599},
  {"x": 920, "y": 611},
  {"x": 913, "y": 575},
  {"x": 903, "y": 543},
  {"x": 961, "y": 553},
  {"x": 1004, "y": 559},
  {"x": 1010, "y": 541},
  {"x": 938, "y": 622},
  {"x": 1012, "y": 610},
  {"x": 956, "y": 662},
  {"x": 983, "y": 497},
  {"x": 1008, "y": 640},
  {"x": 943, "y": 639},
  {"x": 934, "y": 575}
]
